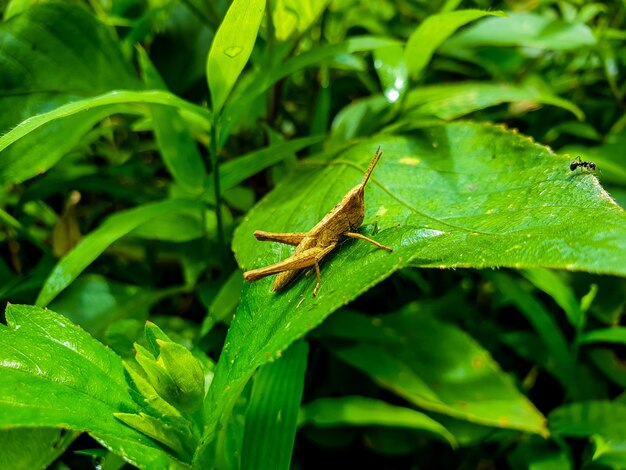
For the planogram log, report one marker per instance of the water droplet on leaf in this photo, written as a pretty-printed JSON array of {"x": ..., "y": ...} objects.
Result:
[{"x": 233, "y": 51}]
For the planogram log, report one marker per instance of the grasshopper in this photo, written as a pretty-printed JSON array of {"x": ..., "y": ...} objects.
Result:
[{"x": 312, "y": 246}]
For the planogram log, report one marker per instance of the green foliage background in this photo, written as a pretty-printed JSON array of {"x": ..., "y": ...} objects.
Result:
[{"x": 142, "y": 143}]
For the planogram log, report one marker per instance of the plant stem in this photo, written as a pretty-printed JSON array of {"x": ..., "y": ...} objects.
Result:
[{"x": 213, "y": 150}]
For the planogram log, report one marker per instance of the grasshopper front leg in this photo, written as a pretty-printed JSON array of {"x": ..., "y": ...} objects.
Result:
[{"x": 297, "y": 261}]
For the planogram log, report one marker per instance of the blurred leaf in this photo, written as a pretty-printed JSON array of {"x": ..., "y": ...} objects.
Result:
[
  {"x": 184, "y": 32},
  {"x": 556, "y": 287},
  {"x": 616, "y": 334},
  {"x": 27, "y": 133},
  {"x": 66, "y": 233},
  {"x": 432, "y": 32},
  {"x": 450, "y": 5},
  {"x": 587, "y": 299},
  {"x": 93, "y": 244},
  {"x": 182, "y": 226},
  {"x": 392, "y": 442},
  {"x": 295, "y": 16},
  {"x": 590, "y": 10},
  {"x": 574, "y": 129},
  {"x": 178, "y": 149},
  {"x": 435, "y": 366},
  {"x": 56, "y": 375},
  {"x": 236, "y": 171},
  {"x": 231, "y": 48},
  {"x": 442, "y": 102},
  {"x": 451, "y": 101},
  {"x": 539, "y": 454},
  {"x": 524, "y": 30},
  {"x": 27, "y": 448},
  {"x": 361, "y": 411},
  {"x": 562, "y": 362},
  {"x": 391, "y": 69},
  {"x": 529, "y": 346},
  {"x": 95, "y": 302},
  {"x": 360, "y": 118},
  {"x": 42, "y": 70},
  {"x": 272, "y": 414},
  {"x": 584, "y": 419},
  {"x": 260, "y": 80},
  {"x": 609, "y": 363},
  {"x": 15, "y": 7},
  {"x": 223, "y": 303},
  {"x": 609, "y": 453}
]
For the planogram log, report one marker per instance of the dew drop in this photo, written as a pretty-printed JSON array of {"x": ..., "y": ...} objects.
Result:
[{"x": 233, "y": 51}]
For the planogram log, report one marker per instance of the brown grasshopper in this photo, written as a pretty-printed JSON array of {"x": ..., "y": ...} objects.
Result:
[{"x": 313, "y": 245}]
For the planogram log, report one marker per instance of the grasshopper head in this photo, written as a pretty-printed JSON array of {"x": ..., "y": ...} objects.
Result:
[{"x": 356, "y": 197}]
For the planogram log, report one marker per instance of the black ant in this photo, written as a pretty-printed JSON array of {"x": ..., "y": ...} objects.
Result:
[{"x": 575, "y": 164}]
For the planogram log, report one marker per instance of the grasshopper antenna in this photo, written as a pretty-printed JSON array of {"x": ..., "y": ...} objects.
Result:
[{"x": 370, "y": 168}]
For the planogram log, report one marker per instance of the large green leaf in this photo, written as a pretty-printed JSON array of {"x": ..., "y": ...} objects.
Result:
[
  {"x": 232, "y": 46},
  {"x": 52, "y": 54},
  {"x": 435, "y": 366},
  {"x": 55, "y": 375},
  {"x": 460, "y": 195}
]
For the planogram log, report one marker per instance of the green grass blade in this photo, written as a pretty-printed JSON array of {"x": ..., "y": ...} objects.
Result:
[{"x": 272, "y": 414}]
